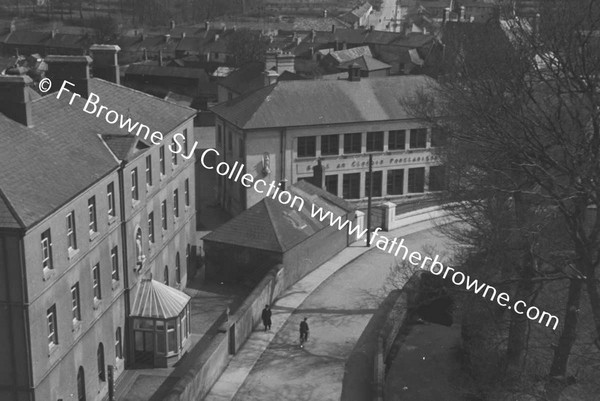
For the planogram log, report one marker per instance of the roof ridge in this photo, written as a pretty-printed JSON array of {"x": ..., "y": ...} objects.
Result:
[
  {"x": 11, "y": 209},
  {"x": 271, "y": 221},
  {"x": 144, "y": 93}
]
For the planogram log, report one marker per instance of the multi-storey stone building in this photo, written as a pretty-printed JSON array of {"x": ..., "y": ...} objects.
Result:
[
  {"x": 280, "y": 131},
  {"x": 88, "y": 213}
]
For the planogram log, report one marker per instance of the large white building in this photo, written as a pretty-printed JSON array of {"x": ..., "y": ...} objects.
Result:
[{"x": 280, "y": 132}]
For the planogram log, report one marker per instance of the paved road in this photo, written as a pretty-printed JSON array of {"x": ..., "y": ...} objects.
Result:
[
  {"x": 338, "y": 311},
  {"x": 380, "y": 19}
]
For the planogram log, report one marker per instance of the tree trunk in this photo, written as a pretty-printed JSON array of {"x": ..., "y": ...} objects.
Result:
[
  {"x": 592, "y": 289},
  {"x": 569, "y": 332},
  {"x": 519, "y": 324}
]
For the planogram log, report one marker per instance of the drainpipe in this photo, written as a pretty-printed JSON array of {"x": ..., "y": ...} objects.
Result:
[
  {"x": 126, "y": 295},
  {"x": 282, "y": 139}
]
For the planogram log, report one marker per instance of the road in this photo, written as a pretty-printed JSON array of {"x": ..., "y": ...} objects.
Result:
[
  {"x": 380, "y": 19},
  {"x": 337, "y": 311}
]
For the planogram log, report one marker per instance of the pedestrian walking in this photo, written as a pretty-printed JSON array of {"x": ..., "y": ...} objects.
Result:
[
  {"x": 303, "y": 332},
  {"x": 266, "y": 317}
]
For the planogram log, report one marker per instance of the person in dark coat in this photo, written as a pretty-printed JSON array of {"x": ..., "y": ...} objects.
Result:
[
  {"x": 266, "y": 317},
  {"x": 303, "y": 331}
]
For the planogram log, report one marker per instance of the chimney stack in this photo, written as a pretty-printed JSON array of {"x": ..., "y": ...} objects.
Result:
[
  {"x": 462, "y": 14},
  {"x": 354, "y": 72},
  {"x": 182, "y": 35},
  {"x": 106, "y": 62},
  {"x": 160, "y": 58},
  {"x": 75, "y": 69},
  {"x": 206, "y": 26},
  {"x": 15, "y": 101},
  {"x": 324, "y": 13},
  {"x": 172, "y": 24},
  {"x": 446, "y": 15},
  {"x": 270, "y": 77},
  {"x": 167, "y": 37},
  {"x": 332, "y": 28}
]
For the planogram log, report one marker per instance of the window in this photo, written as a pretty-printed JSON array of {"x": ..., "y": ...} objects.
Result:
[
  {"x": 114, "y": 261},
  {"x": 437, "y": 137},
  {"x": 418, "y": 138},
  {"x": 110, "y": 194},
  {"x": 397, "y": 140},
  {"x": 92, "y": 213},
  {"x": 118, "y": 342},
  {"x": 71, "y": 236},
  {"x": 173, "y": 154},
  {"x": 240, "y": 148},
  {"x": 331, "y": 184},
  {"x": 186, "y": 191},
  {"x": 229, "y": 141},
  {"x": 416, "y": 179},
  {"x": 351, "y": 186},
  {"x": 395, "y": 182},
  {"x": 177, "y": 269},
  {"x": 161, "y": 159},
  {"x": 52, "y": 327},
  {"x": 96, "y": 282},
  {"x": 330, "y": 145},
  {"x": 377, "y": 178},
  {"x": 75, "y": 305},
  {"x": 46, "y": 250},
  {"x": 437, "y": 180},
  {"x": 151, "y": 227},
  {"x": 176, "y": 203},
  {"x": 375, "y": 141},
  {"x": 163, "y": 214},
  {"x": 185, "y": 142},
  {"x": 171, "y": 336},
  {"x": 134, "y": 184},
  {"x": 307, "y": 146},
  {"x": 101, "y": 367},
  {"x": 352, "y": 143},
  {"x": 166, "y": 275},
  {"x": 149, "y": 170},
  {"x": 219, "y": 135}
]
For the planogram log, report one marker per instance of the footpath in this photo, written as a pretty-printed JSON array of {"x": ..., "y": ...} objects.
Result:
[{"x": 242, "y": 364}]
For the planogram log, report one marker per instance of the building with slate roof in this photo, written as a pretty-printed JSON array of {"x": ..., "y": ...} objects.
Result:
[
  {"x": 292, "y": 124},
  {"x": 269, "y": 233},
  {"x": 86, "y": 210}
]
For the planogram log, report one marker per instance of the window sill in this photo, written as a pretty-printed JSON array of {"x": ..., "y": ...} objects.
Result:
[
  {"x": 161, "y": 176},
  {"x": 72, "y": 253},
  {"x": 135, "y": 202},
  {"x": 115, "y": 284},
  {"x": 148, "y": 188},
  {"x": 48, "y": 274},
  {"x": 76, "y": 326},
  {"x": 52, "y": 348},
  {"x": 93, "y": 235},
  {"x": 111, "y": 219},
  {"x": 96, "y": 304}
]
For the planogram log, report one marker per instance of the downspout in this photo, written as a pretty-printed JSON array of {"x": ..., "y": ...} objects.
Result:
[
  {"x": 282, "y": 140},
  {"x": 123, "y": 224},
  {"x": 25, "y": 296}
]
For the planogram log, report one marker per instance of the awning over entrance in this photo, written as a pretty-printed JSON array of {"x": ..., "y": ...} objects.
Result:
[{"x": 157, "y": 300}]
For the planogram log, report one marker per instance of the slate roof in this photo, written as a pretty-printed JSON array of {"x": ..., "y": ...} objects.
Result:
[
  {"x": 64, "y": 153},
  {"x": 246, "y": 79},
  {"x": 162, "y": 71},
  {"x": 272, "y": 226},
  {"x": 342, "y": 56},
  {"x": 323, "y": 102},
  {"x": 366, "y": 63}
]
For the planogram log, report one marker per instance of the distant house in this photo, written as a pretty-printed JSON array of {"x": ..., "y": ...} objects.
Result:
[
  {"x": 335, "y": 58},
  {"x": 160, "y": 80},
  {"x": 270, "y": 233},
  {"x": 368, "y": 66},
  {"x": 358, "y": 16}
]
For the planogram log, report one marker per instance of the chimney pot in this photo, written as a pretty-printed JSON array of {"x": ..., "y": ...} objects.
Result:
[
  {"x": 172, "y": 24},
  {"x": 167, "y": 37},
  {"x": 182, "y": 35},
  {"x": 324, "y": 13},
  {"x": 206, "y": 25},
  {"x": 332, "y": 28},
  {"x": 160, "y": 58}
]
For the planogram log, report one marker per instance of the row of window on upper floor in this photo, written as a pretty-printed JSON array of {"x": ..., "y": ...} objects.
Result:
[
  {"x": 164, "y": 211},
  {"x": 92, "y": 224},
  {"x": 397, "y": 140},
  {"x": 149, "y": 174}
]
